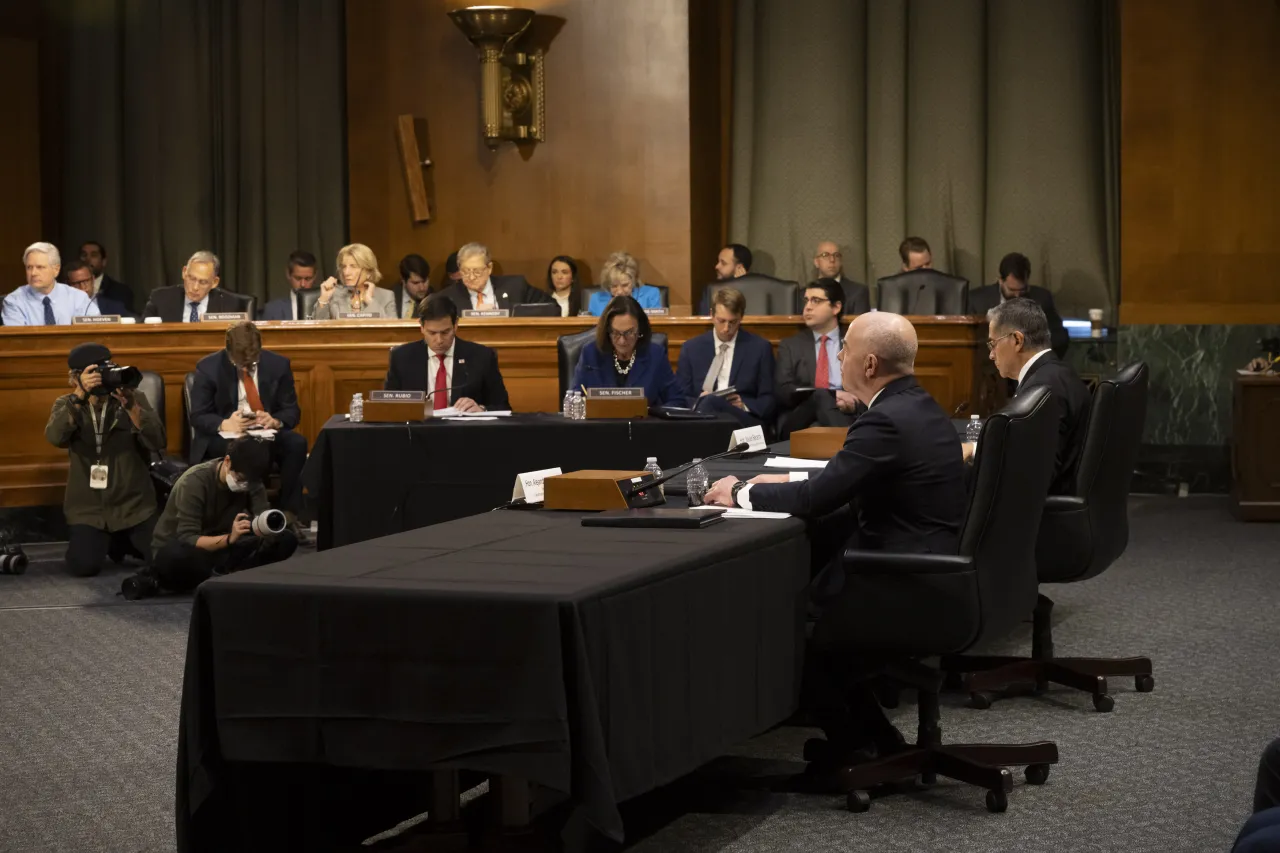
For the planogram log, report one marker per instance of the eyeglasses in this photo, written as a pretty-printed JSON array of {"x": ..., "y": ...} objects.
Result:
[
  {"x": 991, "y": 344},
  {"x": 830, "y": 256},
  {"x": 815, "y": 300},
  {"x": 474, "y": 274},
  {"x": 622, "y": 336}
]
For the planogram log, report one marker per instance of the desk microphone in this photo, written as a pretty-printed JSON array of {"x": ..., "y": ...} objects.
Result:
[
  {"x": 915, "y": 303},
  {"x": 646, "y": 484},
  {"x": 960, "y": 409}
]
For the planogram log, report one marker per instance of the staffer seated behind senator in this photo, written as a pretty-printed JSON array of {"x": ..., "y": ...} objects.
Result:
[
  {"x": 620, "y": 276},
  {"x": 477, "y": 289},
  {"x": 1015, "y": 275},
  {"x": 79, "y": 275},
  {"x": 110, "y": 504},
  {"x": 452, "y": 371},
  {"x": 807, "y": 359},
  {"x": 414, "y": 286},
  {"x": 623, "y": 355},
  {"x": 94, "y": 254},
  {"x": 729, "y": 356},
  {"x": 43, "y": 300},
  {"x": 301, "y": 275},
  {"x": 358, "y": 293},
  {"x": 205, "y": 526},
  {"x": 562, "y": 284},
  {"x": 244, "y": 387},
  {"x": 829, "y": 263},
  {"x": 1018, "y": 339},
  {"x": 198, "y": 294}
]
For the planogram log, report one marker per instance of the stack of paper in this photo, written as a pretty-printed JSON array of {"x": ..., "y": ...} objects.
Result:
[
  {"x": 256, "y": 433},
  {"x": 737, "y": 512},
  {"x": 452, "y": 412},
  {"x": 793, "y": 462}
]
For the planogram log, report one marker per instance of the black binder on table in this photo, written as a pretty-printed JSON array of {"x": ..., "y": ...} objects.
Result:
[{"x": 688, "y": 519}]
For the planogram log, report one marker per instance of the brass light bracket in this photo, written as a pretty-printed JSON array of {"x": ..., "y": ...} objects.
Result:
[{"x": 512, "y": 84}]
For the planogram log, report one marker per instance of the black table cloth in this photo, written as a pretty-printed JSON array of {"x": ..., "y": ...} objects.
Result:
[
  {"x": 372, "y": 480},
  {"x": 598, "y": 662}
]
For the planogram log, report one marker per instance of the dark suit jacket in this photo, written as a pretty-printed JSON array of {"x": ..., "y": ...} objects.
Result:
[
  {"x": 216, "y": 392},
  {"x": 983, "y": 299},
  {"x": 857, "y": 297},
  {"x": 107, "y": 305},
  {"x": 1072, "y": 397},
  {"x": 118, "y": 292},
  {"x": 475, "y": 373},
  {"x": 398, "y": 290},
  {"x": 508, "y": 290},
  {"x": 751, "y": 372},
  {"x": 797, "y": 364},
  {"x": 652, "y": 372},
  {"x": 900, "y": 471},
  {"x": 170, "y": 303}
]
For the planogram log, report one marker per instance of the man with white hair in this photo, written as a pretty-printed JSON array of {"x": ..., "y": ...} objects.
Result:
[
  {"x": 43, "y": 300},
  {"x": 196, "y": 296},
  {"x": 479, "y": 290}
]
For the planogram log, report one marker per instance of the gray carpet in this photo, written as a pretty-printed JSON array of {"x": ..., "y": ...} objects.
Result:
[{"x": 89, "y": 690}]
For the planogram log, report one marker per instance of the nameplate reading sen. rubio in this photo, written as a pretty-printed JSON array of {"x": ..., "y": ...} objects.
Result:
[
  {"x": 615, "y": 392},
  {"x": 397, "y": 396},
  {"x": 225, "y": 316},
  {"x": 357, "y": 315},
  {"x": 530, "y": 485},
  {"x": 753, "y": 436},
  {"x": 95, "y": 320},
  {"x": 486, "y": 312}
]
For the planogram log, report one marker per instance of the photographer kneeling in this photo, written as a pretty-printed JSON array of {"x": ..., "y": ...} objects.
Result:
[
  {"x": 207, "y": 525},
  {"x": 109, "y": 430}
]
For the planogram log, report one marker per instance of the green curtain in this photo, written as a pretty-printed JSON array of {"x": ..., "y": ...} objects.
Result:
[
  {"x": 983, "y": 126},
  {"x": 206, "y": 124}
]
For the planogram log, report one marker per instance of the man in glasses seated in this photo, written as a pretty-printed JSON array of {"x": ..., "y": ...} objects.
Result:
[
  {"x": 829, "y": 263},
  {"x": 807, "y": 382}
]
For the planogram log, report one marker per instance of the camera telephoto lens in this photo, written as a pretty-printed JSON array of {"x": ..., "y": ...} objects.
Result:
[{"x": 139, "y": 586}]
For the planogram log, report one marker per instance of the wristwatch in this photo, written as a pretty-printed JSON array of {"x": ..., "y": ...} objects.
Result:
[{"x": 737, "y": 487}]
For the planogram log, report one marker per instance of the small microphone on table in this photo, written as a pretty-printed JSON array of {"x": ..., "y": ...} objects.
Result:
[
  {"x": 960, "y": 409},
  {"x": 646, "y": 484},
  {"x": 915, "y": 303}
]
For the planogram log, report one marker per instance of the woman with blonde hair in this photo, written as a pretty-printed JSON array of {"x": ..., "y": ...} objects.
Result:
[
  {"x": 620, "y": 276},
  {"x": 358, "y": 292}
]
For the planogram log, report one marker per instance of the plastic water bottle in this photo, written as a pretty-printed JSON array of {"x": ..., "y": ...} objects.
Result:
[
  {"x": 579, "y": 406},
  {"x": 357, "y": 409},
  {"x": 973, "y": 429},
  {"x": 566, "y": 408},
  {"x": 651, "y": 466},
  {"x": 696, "y": 483}
]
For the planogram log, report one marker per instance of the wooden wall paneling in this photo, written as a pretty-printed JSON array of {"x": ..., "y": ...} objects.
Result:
[{"x": 20, "y": 157}]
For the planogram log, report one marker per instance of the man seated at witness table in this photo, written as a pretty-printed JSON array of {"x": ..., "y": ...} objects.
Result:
[
  {"x": 244, "y": 387},
  {"x": 915, "y": 254},
  {"x": 205, "y": 528},
  {"x": 80, "y": 276},
  {"x": 413, "y": 286},
  {"x": 900, "y": 475},
  {"x": 43, "y": 300},
  {"x": 729, "y": 356},
  {"x": 829, "y": 263},
  {"x": 562, "y": 284},
  {"x": 94, "y": 254},
  {"x": 1018, "y": 338},
  {"x": 620, "y": 276},
  {"x": 198, "y": 294},
  {"x": 623, "y": 355},
  {"x": 452, "y": 371},
  {"x": 358, "y": 293},
  {"x": 1015, "y": 275},
  {"x": 301, "y": 274},
  {"x": 479, "y": 290},
  {"x": 807, "y": 359}
]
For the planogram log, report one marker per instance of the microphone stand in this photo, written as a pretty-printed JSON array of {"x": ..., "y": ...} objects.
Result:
[{"x": 632, "y": 490}]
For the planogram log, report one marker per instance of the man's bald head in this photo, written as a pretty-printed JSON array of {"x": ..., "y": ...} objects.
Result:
[{"x": 879, "y": 347}]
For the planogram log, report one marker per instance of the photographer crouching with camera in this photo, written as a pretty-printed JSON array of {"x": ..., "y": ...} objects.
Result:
[
  {"x": 217, "y": 521},
  {"x": 109, "y": 430}
]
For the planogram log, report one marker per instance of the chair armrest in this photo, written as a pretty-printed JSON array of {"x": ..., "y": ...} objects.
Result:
[
  {"x": 890, "y": 562},
  {"x": 1063, "y": 503}
]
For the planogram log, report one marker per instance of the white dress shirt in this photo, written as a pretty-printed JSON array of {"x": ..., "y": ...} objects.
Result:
[
  {"x": 97, "y": 283},
  {"x": 25, "y": 306},
  {"x": 201, "y": 307},
  {"x": 433, "y": 367},
  {"x": 833, "y": 361},
  {"x": 1022, "y": 374},
  {"x": 563, "y": 300},
  {"x": 242, "y": 401},
  {"x": 489, "y": 298}
]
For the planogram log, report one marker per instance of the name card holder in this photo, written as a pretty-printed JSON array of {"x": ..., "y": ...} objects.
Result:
[
  {"x": 395, "y": 407},
  {"x": 656, "y": 312},
  {"x": 817, "y": 442},
  {"x": 616, "y": 403},
  {"x": 87, "y": 320},
  {"x": 225, "y": 317},
  {"x": 530, "y": 486},
  {"x": 753, "y": 436},
  {"x": 486, "y": 312},
  {"x": 595, "y": 490},
  {"x": 357, "y": 315}
]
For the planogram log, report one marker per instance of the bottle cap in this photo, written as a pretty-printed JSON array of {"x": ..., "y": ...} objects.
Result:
[
  {"x": 974, "y": 417},
  {"x": 653, "y": 459}
]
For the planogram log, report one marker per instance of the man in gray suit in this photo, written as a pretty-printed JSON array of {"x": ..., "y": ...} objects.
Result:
[{"x": 807, "y": 381}]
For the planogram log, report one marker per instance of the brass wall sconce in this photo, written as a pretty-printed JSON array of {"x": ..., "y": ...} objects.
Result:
[{"x": 512, "y": 85}]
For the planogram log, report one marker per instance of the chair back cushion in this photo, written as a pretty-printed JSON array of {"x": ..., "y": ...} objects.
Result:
[
  {"x": 568, "y": 348},
  {"x": 536, "y": 309},
  {"x": 923, "y": 292},
  {"x": 306, "y": 301},
  {"x": 152, "y": 385},
  {"x": 765, "y": 294},
  {"x": 189, "y": 430},
  {"x": 247, "y": 303}
]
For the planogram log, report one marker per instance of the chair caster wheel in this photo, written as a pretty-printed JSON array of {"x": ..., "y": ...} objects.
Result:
[
  {"x": 1103, "y": 703},
  {"x": 1037, "y": 774},
  {"x": 857, "y": 801},
  {"x": 981, "y": 701},
  {"x": 1144, "y": 683},
  {"x": 997, "y": 801}
]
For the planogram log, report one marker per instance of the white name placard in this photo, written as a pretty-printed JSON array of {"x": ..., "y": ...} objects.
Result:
[
  {"x": 225, "y": 316},
  {"x": 88, "y": 320},
  {"x": 615, "y": 392},
  {"x": 486, "y": 312},
  {"x": 530, "y": 485},
  {"x": 753, "y": 436}
]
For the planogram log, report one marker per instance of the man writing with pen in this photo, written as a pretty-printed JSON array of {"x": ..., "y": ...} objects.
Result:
[{"x": 452, "y": 372}]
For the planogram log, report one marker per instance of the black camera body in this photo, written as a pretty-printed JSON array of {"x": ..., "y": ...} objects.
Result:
[{"x": 115, "y": 377}]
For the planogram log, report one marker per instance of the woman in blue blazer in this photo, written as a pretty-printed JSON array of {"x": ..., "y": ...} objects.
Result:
[
  {"x": 623, "y": 356},
  {"x": 620, "y": 276}
]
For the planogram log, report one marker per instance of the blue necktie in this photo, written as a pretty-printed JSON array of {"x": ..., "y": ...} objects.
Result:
[
  {"x": 48, "y": 313},
  {"x": 195, "y": 312}
]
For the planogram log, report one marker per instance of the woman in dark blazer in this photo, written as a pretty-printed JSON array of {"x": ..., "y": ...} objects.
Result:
[
  {"x": 624, "y": 356},
  {"x": 562, "y": 284}
]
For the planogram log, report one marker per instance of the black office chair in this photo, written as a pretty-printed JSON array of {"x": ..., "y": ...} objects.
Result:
[
  {"x": 569, "y": 348},
  {"x": 923, "y": 292},
  {"x": 536, "y": 309},
  {"x": 765, "y": 294},
  {"x": 165, "y": 469},
  {"x": 247, "y": 303},
  {"x": 306, "y": 301},
  {"x": 188, "y": 428},
  {"x": 1080, "y": 536},
  {"x": 664, "y": 294},
  {"x": 903, "y": 607}
]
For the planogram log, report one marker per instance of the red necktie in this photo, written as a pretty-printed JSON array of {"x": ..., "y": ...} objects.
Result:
[
  {"x": 251, "y": 391},
  {"x": 823, "y": 377},
  {"x": 441, "y": 396}
]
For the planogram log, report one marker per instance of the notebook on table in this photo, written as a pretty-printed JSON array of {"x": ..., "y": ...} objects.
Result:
[{"x": 686, "y": 518}]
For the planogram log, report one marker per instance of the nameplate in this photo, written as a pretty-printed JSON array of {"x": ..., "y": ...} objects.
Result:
[
  {"x": 357, "y": 315},
  {"x": 530, "y": 485},
  {"x": 225, "y": 316},
  {"x": 753, "y": 436},
  {"x": 486, "y": 312},
  {"x": 87, "y": 320},
  {"x": 398, "y": 396},
  {"x": 656, "y": 312},
  {"x": 599, "y": 393}
]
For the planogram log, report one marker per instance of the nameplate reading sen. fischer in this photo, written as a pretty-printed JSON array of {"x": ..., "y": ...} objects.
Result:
[
  {"x": 656, "y": 312},
  {"x": 95, "y": 320},
  {"x": 397, "y": 396},
  {"x": 225, "y": 316},
  {"x": 357, "y": 315},
  {"x": 615, "y": 392},
  {"x": 486, "y": 312}
]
